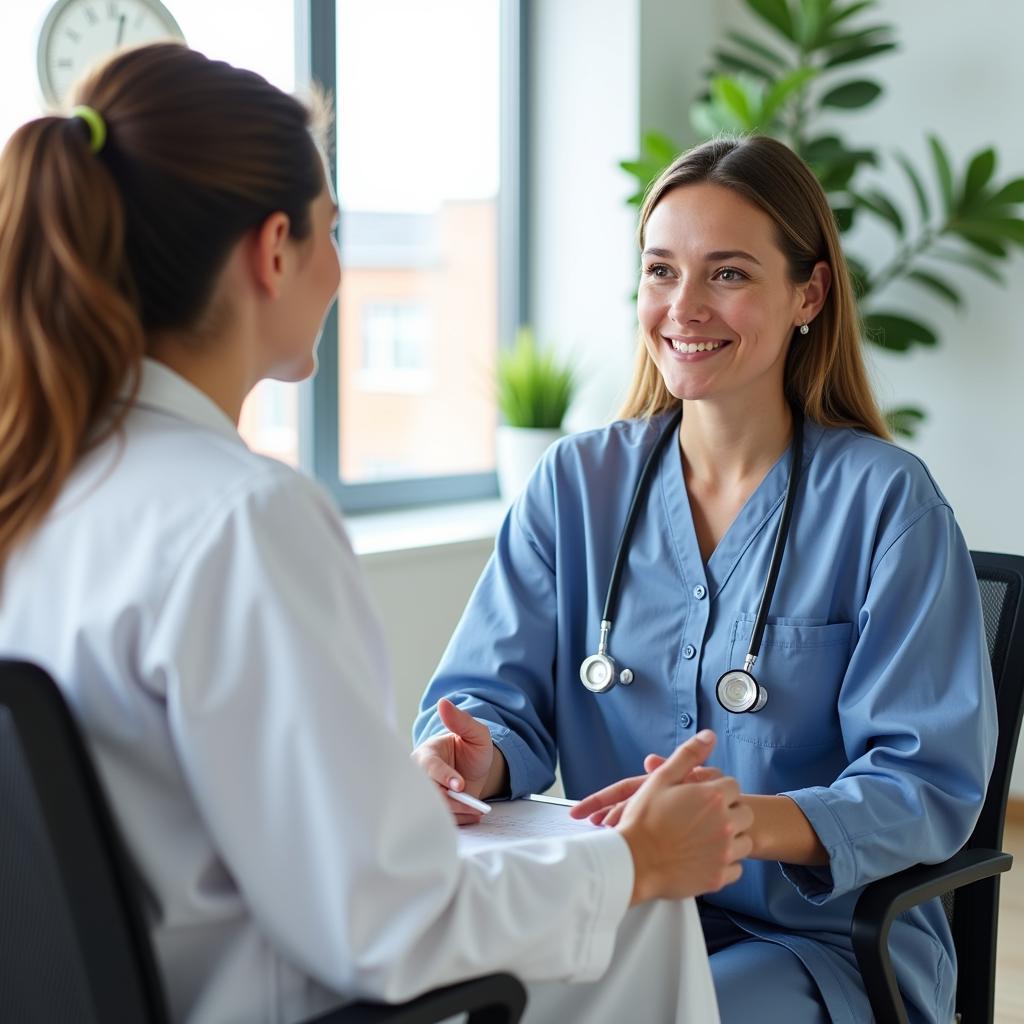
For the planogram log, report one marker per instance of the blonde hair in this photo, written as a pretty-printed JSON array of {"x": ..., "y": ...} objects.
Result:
[
  {"x": 825, "y": 375},
  {"x": 99, "y": 249}
]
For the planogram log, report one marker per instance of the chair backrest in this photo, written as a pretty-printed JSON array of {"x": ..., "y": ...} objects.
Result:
[
  {"x": 73, "y": 946},
  {"x": 1001, "y": 582},
  {"x": 974, "y": 909}
]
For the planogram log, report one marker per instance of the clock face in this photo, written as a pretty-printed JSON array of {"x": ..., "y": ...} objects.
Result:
[{"x": 79, "y": 33}]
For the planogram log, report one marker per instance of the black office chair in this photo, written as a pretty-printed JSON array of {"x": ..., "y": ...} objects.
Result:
[
  {"x": 969, "y": 881},
  {"x": 73, "y": 945}
]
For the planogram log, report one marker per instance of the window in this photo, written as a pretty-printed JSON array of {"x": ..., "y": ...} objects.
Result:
[
  {"x": 396, "y": 347},
  {"x": 404, "y": 408}
]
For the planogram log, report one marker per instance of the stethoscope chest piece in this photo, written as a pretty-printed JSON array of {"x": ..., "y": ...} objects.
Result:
[
  {"x": 597, "y": 673},
  {"x": 738, "y": 691}
]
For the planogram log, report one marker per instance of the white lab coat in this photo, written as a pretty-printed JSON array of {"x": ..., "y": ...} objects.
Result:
[{"x": 203, "y": 612}]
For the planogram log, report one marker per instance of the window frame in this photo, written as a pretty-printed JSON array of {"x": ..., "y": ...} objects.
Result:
[{"x": 319, "y": 432}]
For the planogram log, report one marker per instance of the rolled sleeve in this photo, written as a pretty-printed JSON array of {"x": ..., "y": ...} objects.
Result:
[{"x": 499, "y": 665}]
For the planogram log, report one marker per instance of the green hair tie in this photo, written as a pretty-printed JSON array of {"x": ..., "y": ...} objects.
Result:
[{"x": 97, "y": 126}]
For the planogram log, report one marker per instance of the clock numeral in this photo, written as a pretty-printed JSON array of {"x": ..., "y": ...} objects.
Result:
[
  {"x": 112, "y": 11},
  {"x": 91, "y": 15},
  {"x": 65, "y": 63},
  {"x": 74, "y": 36}
]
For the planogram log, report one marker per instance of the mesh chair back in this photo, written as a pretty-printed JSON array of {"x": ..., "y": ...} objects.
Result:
[
  {"x": 973, "y": 910},
  {"x": 72, "y": 946},
  {"x": 1001, "y": 584}
]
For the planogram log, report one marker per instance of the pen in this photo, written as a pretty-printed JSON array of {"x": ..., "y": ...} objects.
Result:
[{"x": 470, "y": 801}]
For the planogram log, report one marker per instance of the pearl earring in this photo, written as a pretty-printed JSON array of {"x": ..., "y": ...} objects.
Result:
[{"x": 804, "y": 329}]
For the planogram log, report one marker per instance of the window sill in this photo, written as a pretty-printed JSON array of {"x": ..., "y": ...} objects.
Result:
[{"x": 384, "y": 534}]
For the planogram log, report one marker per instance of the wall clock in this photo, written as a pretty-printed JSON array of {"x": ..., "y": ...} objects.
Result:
[{"x": 78, "y": 33}]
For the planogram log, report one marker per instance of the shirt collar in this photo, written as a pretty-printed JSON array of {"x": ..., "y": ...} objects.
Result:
[{"x": 163, "y": 390}]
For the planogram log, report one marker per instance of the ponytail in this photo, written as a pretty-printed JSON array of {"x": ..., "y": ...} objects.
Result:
[
  {"x": 70, "y": 339},
  {"x": 115, "y": 225}
]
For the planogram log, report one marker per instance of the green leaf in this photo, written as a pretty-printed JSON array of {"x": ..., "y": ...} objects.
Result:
[
  {"x": 730, "y": 62},
  {"x": 852, "y": 95},
  {"x": 943, "y": 171},
  {"x": 985, "y": 244},
  {"x": 645, "y": 171},
  {"x": 897, "y": 333},
  {"x": 915, "y": 181},
  {"x": 638, "y": 168},
  {"x": 755, "y": 47},
  {"x": 657, "y": 152},
  {"x": 937, "y": 285},
  {"x": 829, "y": 149},
  {"x": 840, "y": 14},
  {"x": 660, "y": 147},
  {"x": 862, "y": 37},
  {"x": 904, "y": 421},
  {"x": 775, "y": 13},
  {"x": 855, "y": 53},
  {"x": 824, "y": 147},
  {"x": 998, "y": 229},
  {"x": 809, "y": 21},
  {"x": 844, "y": 217},
  {"x": 1012, "y": 192},
  {"x": 730, "y": 95},
  {"x": 783, "y": 89},
  {"x": 882, "y": 206},
  {"x": 708, "y": 120},
  {"x": 976, "y": 263},
  {"x": 979, "y": 172}
]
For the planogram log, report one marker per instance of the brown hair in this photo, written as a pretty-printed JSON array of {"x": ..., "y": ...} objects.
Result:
[
  {"x": 825, "y": 374},
  {"x": 99, "y": 250}
]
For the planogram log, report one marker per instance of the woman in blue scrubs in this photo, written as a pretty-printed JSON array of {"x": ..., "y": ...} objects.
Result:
[{"x": 874, "y": 748}]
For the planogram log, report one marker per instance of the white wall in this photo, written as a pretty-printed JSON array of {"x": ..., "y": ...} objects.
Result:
[
  {"x": 584, "y": 117},
  {"x": 419, "y": 595}
]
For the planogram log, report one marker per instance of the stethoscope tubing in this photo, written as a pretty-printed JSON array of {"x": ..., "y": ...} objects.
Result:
[
  {"x": 755, "y": 695},
  {"x": 611, "y": 597},
  {"x": 796, "y": 451}
]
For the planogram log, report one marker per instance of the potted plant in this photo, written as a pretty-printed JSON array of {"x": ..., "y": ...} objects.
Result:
[
  {"x": 790, "y": 80},
  {"x": 534, "y": 392}
]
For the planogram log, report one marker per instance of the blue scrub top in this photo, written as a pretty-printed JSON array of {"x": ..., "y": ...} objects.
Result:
[{"x": 880, "y": 721}]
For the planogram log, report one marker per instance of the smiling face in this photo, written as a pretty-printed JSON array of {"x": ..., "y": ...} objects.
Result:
[{"x": 716, "y": 302}]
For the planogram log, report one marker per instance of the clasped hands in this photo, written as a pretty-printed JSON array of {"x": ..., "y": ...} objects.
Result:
[{"x": 685, "y": 823}]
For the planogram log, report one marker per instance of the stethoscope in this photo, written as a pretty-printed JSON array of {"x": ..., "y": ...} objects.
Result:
[{"x": 737, "y": 690}]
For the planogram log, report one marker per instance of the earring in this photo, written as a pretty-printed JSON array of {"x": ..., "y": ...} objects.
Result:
[{"x": 804, "y": 329}]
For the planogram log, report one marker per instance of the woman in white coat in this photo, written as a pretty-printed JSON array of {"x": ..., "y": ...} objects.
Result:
[{"x": 162, "y": 250}]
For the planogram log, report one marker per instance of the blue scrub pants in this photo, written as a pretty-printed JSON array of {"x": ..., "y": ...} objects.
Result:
[{"x": 757, "y": 980}]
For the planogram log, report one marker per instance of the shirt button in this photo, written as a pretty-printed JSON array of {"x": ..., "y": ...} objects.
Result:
[
  {"x": 689, "y": 651},
  {"x": 685, "y": 720},
  {"x": 699, "y": 591}
]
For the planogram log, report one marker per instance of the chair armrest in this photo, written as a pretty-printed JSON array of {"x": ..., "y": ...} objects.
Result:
[
  {"x": 882, "y": 901},
  {"x": 492, "y": 992}
]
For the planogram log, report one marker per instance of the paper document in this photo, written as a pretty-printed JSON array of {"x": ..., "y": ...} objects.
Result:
[{"x": 514, "y": 821}]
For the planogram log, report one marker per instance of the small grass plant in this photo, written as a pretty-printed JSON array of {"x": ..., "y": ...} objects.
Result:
[{"x": 534, "y": 386}]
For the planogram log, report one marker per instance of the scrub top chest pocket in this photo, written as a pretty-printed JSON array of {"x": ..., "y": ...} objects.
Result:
[{"x": 802, "y": 667}]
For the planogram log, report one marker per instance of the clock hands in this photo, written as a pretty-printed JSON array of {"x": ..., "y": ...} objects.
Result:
[{"x": 120, "y": 29}]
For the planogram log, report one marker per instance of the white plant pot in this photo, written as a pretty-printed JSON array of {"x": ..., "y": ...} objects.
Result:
[{"x": 518, "y": 450}]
